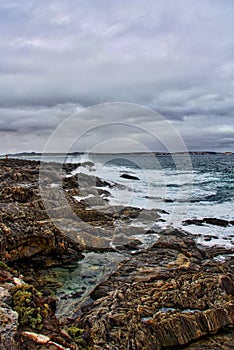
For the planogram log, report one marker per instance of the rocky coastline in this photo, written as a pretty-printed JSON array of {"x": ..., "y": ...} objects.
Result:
[{"x": 172, "y": 294}]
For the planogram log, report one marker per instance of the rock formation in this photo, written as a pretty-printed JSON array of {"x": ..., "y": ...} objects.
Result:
[{"x": 166, "y": 297}]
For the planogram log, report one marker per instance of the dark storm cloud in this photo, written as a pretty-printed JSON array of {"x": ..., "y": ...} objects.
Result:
[{"x": 176, "y": 57}]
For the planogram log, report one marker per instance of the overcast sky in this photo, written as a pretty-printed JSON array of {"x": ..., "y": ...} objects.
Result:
[{"x": 174, "y": 56}]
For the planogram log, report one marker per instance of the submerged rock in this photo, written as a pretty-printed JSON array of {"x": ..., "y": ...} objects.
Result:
[
  {"x": 210, "y": 221},
  {"x": 129, "y": 177}
]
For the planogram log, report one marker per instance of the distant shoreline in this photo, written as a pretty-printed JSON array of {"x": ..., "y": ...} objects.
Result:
[{"x": 22, "y": 154}]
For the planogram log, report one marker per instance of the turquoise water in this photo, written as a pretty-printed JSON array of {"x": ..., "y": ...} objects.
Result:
[{"x": 73, "y": 282}]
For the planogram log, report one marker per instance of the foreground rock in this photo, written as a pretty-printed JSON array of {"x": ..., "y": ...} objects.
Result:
[{"x": 167, "y": 297}]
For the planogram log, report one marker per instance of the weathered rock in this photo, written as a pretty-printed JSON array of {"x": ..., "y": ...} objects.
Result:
[
  {"x": 71, "y": 182},
  {"x": 53, "y": 345},
  {"x": 165, "y": 297},
  {"x": 8, "y": 328},
  {"x": 84, "y": 182},
  {"x": 122, "y": 242},
  {"x": 94, "y": 201},
  {"x": 222, "y": 341},
  {"x": 37, "y": 338},
  {"x": 69, "y": 167},
  {"x": 26, "y": 232},
  {"x": 17, "y": 194},
  {"x": 168, "y": 296},
  {"x": 5, "y": 294}
]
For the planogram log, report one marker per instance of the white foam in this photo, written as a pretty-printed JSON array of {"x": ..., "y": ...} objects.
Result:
[
  {"x": 216, "y": 242},
  {"x": 79, "y": 198},
  {"x": 180, "y": 187}
]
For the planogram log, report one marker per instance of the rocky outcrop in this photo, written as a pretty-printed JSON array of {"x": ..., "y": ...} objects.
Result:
[
  {"x": 26, "y": 229},
  {"x": 84, "y": 182},
  {"x": 166, "y": 297},
  {"x": 41, "y": 220},
  {"x": 15, "y": 170},
  {"x": 26, "y": 237}
]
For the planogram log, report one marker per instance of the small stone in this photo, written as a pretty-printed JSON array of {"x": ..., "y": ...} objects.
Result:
[
  {"x": 58, "y": 346},
  {"x": 37, "y": 338}
]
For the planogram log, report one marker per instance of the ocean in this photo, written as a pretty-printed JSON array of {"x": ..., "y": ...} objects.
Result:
[{"x": 185, "y": 187}]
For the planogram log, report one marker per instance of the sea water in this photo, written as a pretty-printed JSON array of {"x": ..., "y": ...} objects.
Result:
[{"x": 187, "y": 187}]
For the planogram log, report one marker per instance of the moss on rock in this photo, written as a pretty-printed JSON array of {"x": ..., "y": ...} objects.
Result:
[
  {"x": 27, "y": 303},
  {"x": 80, "y": 337},
  {"x": 3, "y": 265}
]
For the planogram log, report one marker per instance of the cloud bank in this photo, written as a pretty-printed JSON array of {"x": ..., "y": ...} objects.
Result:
[{"x": 176, "y": 57}]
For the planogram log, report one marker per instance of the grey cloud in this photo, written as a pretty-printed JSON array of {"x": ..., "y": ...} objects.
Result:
[
  {"x": 32, "y": 119},
  {"x": 175, "y": 57}
]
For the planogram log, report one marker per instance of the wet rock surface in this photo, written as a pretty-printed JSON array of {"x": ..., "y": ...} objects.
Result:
[
  {"x": 129, "y": 177},
  {"x": 210, "y": 221}
]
